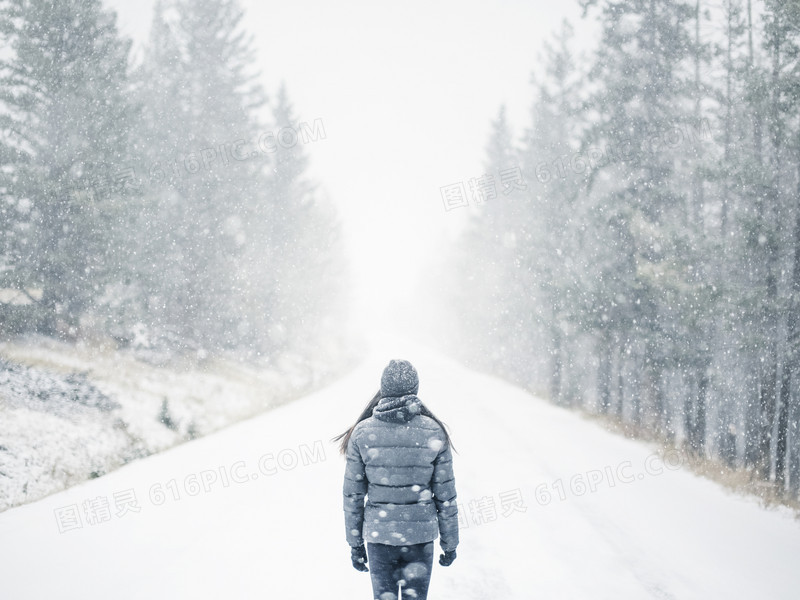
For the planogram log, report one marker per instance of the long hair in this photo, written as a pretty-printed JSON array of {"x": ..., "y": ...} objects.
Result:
[{"x": 367, "y": 412}]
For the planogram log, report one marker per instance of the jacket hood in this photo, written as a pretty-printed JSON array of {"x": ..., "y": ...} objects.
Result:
[{"x": 397, "y": 409}]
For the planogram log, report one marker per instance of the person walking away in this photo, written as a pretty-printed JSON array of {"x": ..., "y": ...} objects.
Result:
[{"x": 399, "y": 488}]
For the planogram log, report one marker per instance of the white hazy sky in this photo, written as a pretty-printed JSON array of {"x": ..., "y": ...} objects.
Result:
[{"x": 406, "y": 91}]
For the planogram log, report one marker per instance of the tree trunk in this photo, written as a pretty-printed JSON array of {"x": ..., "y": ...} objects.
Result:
[
  {"x": 652, "y": 391},
  {"x": 620, "y": 377},
  {"x": 700, "y": 410},
  {"x": 696, "y": 214},
  {"x": 604, "y": 372},
  {"x": 783, "y": 426},
  {"x": 752, "y": 415},
  {"x": 556, "y": 365},
  {"x": 791, "y": 365},
  {"x": 728, "y": 126}
]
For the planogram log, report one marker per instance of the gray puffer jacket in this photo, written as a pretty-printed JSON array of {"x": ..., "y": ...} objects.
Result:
[{"x": 398, "y": 458}]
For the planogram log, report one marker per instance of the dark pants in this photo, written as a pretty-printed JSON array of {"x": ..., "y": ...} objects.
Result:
[{"x": 408, "y": 567}]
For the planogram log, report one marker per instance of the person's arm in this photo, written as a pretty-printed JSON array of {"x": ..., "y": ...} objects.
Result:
[
  {"x": 354, "y": 490},
  {"x": 444, "y": 495}
]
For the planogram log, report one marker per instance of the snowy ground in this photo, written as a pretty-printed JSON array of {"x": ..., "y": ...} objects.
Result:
[
  {"x": 254, "y": 511},
  {"x": 72, "y": 412}
]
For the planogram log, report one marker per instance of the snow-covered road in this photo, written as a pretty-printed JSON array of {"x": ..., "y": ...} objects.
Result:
[{"x": 552, "y": 507}]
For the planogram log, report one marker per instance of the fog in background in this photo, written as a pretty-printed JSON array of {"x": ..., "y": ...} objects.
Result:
[{"x": 406, "y": 92}]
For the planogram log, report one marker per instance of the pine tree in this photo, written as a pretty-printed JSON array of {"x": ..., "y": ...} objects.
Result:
[
  {"x": 307, "y": 261},
  {"x": 728, "y": 194},
  {"x": 782, "y": 42},
  {"x": 641, "y": 92},
  {"x": 501, "y": 228},
  {"x": 494, "y": 295},
  {"x": 556, "y": 168},
  {"x": 65, "y": 127},
  {"x": 207, "y": 173}
]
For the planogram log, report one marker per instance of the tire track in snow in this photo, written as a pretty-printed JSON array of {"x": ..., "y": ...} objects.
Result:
[{"x": 652, "y": 583}]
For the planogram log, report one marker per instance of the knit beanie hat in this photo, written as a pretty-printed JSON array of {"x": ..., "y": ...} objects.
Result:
[{"x": 399, "y": 378}]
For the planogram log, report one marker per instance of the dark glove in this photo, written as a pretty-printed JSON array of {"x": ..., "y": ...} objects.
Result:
[
  {"x": 447, "y": 558},
  {"x": 358, "y": 554}
]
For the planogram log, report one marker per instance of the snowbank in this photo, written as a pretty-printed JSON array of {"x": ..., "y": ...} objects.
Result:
[{"x": 69, "y": 413}]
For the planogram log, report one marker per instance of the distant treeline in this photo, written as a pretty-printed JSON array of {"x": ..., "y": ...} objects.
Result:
[{"x": 647, "y": 264}]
